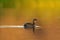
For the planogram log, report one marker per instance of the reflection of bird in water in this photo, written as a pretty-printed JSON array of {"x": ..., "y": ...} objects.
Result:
[{"x": 30, "y": 25}]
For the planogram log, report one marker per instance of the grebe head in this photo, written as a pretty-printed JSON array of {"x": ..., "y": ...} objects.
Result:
[{"x": 34, "y": 20}]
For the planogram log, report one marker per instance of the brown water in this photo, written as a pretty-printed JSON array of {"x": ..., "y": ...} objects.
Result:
[{"x": 49, "y": 22}]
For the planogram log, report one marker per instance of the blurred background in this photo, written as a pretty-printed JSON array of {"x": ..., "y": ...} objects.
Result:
[{"x": 18, "y": 12}]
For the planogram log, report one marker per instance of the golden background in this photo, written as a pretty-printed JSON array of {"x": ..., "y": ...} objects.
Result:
[{"x": 17, "y": 12}]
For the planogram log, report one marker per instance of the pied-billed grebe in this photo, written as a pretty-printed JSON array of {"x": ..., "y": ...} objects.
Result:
[{"x": 30, "y": 25}]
